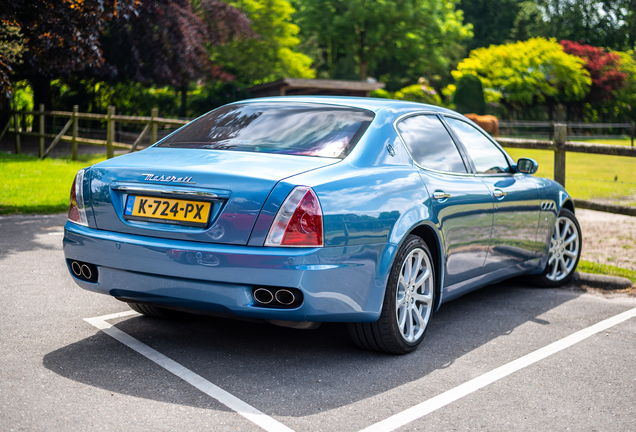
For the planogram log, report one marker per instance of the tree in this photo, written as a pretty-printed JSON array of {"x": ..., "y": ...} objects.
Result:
[
  {"x": 492, "y": 20},
  {"x": 388, "y": 39},
  {"x": 469, "y": 95},
  {"x": 621, "y": 105},
  {"x": 162, "y": 41},
  {"x": 606, "y": 23},
  {"x": 59, "y": 37},
  {"x": 166, "y": 42},
  {"x": 624, "y": 100},
  {"x": 604, "y": 69},
  {"x": 523, "y": 74},
  {"x": 272, "y": 54},
  {"x": 11, "y": 48}
]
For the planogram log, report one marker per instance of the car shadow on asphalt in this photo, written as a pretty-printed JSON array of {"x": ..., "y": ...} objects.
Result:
[
  {"x": 20, "y": 233},
  {"x": 316, "y": 370}
]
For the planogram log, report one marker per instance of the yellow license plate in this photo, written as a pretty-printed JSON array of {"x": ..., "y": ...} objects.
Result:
[{"x": 164, "y": 210}]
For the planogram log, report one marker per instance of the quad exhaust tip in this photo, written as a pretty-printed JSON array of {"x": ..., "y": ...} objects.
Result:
[
  {"x": 278, "y": 297},
  {"x": 263, "y": 296},
  {"x": 76, "y": 268},
  {"x": 285, "y": 297},
  {"x": 84, "y": 271}
]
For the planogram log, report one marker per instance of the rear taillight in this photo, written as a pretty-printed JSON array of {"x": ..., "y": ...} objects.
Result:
[
  {"x": 76, "y": 211},
  {"x": 298, "y": 222}
]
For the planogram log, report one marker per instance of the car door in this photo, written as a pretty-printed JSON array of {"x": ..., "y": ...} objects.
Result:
[
  {"x": 463, "y": 203},
  {"x": 515, "y": 196}
]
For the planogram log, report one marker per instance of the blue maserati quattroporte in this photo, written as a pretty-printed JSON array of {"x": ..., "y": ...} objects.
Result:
[{"x": 300, "y": 210}]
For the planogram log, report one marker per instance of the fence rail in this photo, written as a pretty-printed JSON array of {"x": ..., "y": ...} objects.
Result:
[
  {"x": 151, "y": 126},
  {"x": 510, "y": 126},
  {"x": 529, "y": 123},
  {"x": 560, "y": 145}
]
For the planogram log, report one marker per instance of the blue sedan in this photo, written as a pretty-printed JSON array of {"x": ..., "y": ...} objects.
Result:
[{"x": 302, "y": 210}]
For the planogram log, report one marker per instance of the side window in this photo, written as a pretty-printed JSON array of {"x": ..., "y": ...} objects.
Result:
[
  {"x": 430, "y": 144},
  {"x": 488, "y": 159}
]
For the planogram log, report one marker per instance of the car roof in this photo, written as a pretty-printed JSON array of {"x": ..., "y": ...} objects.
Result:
[{"x": 371, "y": 104}]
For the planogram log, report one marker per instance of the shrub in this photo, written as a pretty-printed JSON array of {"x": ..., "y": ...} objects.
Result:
[{"x": 469, "y": 95}]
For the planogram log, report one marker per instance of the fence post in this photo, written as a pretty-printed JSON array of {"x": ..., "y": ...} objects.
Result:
[
  {"x": 560, "y": 137},
  {"x": 16, "y": 127},
  {"x": 153, "y": 127},
  {"x": 74, "y": 140},
  {"x": 41, "y": 144},
  {"x": 110, "y": 132}
]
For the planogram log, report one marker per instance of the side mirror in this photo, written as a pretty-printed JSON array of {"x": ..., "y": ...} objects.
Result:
[{"x": 527, "y": 166}]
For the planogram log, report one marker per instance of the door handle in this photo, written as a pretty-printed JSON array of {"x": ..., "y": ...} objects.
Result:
[
  {"x": 441, "y": 195},
  {"x": 499, "y": 194}
]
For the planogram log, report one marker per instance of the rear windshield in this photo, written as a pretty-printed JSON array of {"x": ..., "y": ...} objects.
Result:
[{"x": 276, "y": 127}]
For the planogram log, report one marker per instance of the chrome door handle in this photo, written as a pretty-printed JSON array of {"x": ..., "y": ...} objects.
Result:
[
  {"x": 499, "y": 194},
  {"x": 440, "y": 195}
]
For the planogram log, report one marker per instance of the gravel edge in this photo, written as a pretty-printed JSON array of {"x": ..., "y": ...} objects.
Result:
[{"x": 602, "y": 281}]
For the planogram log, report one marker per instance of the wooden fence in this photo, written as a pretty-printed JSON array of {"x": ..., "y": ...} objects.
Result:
[
  {"x": 516, "y": 124},
  {"x": 560, "y": 145},
  {"x": 151, "y": 125}
]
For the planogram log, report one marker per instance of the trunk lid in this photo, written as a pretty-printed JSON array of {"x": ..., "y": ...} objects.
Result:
[{"x": 235, "y": 184}]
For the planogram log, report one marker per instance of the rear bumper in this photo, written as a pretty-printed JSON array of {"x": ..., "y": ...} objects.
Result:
[{"x": 341, "y": 284}]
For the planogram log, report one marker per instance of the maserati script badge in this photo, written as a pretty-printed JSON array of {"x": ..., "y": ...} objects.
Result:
[{"x": 168, "y": 179}]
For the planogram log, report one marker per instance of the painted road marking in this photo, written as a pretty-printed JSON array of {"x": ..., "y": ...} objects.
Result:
[
  {"x": 473, "y": 385},
  {"x": 232, "y": 402}
]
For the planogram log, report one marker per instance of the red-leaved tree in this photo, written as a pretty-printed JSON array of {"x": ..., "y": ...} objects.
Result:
[
  {"x": 159, "y": 41},
  {"x": 604, "y": 69},
  {"x": 166, "y": 42},
  {"x": 59, "y": 37}
]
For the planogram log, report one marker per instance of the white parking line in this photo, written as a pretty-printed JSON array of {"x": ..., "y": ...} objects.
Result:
[
  {"x": 235, "y": 404},
  {"x": 268, "y": 423},
  {"x": 473, "y": 385}
]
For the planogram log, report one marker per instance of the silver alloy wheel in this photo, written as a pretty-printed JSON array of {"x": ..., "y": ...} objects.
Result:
[
  {"x": 564, "y": 249},
  {"x": 414, "y": 295}
]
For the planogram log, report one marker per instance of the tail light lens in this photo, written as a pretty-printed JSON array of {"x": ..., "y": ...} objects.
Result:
[
  {"x": 76, "y": 210},
  {"x": 298, "y": 222}
]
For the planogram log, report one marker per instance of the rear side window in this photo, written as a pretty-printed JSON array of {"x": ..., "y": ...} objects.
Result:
[
  {"x": 430, "y": 144},
  {"x": 276, "y": 127},
  {"x": 488, "y": 159}
]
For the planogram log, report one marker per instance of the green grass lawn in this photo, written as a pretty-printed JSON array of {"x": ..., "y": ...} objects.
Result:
[
  {"x": 34, "y": 186},
  {"x": 589, "y": 176},
  {"x": 30, "y": 185},
  {"x": 604, "y": 269},
  {"x": 623, "y": 141}
]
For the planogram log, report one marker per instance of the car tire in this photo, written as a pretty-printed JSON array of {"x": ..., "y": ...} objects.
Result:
[
  {"x": 564, "y": 252},
  {"x": 408, "y": 303},
  {"x": 153, "y": 311}
]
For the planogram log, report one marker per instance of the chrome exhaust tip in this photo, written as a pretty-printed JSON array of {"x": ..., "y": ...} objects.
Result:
[
  {"x": 86, "y": 271},
  {"x": 76, "y": 268},
  {"x": 263, "y": 296},
  {"x": 285, "y": 297}
]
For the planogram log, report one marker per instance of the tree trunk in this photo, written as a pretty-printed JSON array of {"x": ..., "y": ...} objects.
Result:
[
  {"x": 363, "y": 70},
  {"x": 183, "y": 108},
  {"x": 364, "y": 64},
  {"x": 632, "y": 30},
  {"x": 42, "y": 93}
]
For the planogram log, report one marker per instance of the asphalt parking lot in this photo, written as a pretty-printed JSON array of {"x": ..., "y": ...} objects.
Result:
[{"x": 507, "y": 357}]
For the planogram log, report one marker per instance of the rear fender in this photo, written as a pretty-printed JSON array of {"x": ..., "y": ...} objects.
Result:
[{"x": 428, "y": 231}]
